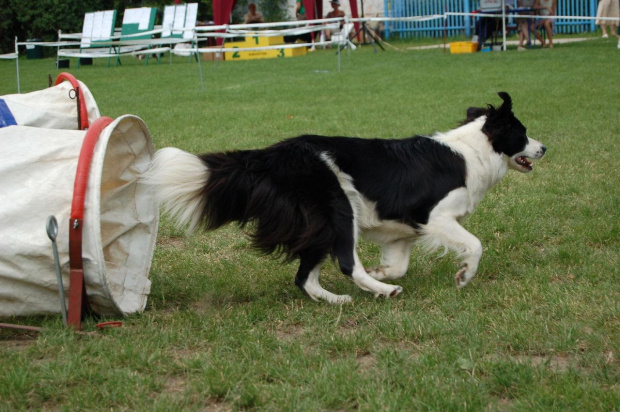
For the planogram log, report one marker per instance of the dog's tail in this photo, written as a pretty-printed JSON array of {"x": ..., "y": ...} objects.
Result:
[
  {"x": 288, "y": 218},
  {"x": 178, "y": 179}
]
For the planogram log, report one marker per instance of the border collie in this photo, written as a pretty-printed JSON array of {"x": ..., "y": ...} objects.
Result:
[{"x": 311, "y": 197}]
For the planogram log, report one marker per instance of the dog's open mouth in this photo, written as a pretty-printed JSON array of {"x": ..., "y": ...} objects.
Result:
[{"x": 524, "y": 163}]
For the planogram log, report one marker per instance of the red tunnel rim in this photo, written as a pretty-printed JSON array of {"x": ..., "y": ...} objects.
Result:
[{"x": 83, "y": 166}]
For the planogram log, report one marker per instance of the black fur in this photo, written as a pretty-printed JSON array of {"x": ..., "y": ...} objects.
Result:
[
  {"x": 506, "y": 133},
  {"x": 292, "y": 194},
  {"x": 297, "y": 206}
]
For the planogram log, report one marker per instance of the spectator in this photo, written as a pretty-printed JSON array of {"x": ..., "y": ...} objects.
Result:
[
  {"x": 525, "y": 24},
  {"x": 336, "y": 12},
  {"x": 300, "y": 10},
  {"x": 608, "y": 8},
  {"x": 253, "y": 16},
  {"x": 545, "y": 8}
]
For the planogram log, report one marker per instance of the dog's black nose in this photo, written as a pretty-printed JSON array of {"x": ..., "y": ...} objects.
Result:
[{"x": 544, "y": 149}]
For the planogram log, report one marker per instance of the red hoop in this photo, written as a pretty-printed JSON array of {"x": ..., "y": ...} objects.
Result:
[
  {"x": 77, "y": 288},
  {"x": 82, "y": 111}
]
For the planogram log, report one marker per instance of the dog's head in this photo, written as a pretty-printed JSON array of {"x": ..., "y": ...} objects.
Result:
[{"x": 507, "y": 134}]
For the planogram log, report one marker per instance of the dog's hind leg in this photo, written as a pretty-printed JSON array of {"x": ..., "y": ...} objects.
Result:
[
  {"x": 447, "y": 232},
  {"x": 394, "y": 260},
  {"x": 307, "y": 279}
]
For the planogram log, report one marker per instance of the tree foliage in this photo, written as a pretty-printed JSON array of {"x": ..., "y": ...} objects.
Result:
[{"x": 272, "y": 10}]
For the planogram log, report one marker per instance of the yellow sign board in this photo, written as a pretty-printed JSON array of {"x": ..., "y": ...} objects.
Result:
[{"x": 258, "y": 41}]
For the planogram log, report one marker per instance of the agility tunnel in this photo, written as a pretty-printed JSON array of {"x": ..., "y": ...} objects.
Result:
[
  {"x": 107, "y": 219},
  {"x": 69, "y": 105}
]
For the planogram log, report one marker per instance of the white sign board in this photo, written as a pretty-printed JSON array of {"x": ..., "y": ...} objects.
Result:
[
  {"x": 97, "y": 26},
  {"x": 178, "y": 18}
]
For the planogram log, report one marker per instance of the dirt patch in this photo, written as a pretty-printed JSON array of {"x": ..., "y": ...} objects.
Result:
[
  {"x": 169, "y": 242},
  {"x": 348, "y": 327},
  {"x": 502, "y": 404},
  {"x": 554, "y": 362},
  {"x": 289, "y": 333},
  {"x": 609, "y": 357},
  {"x": 366, "y": 362},
  {"x": 205, "y": 305},
  {"x": 181, "y": 355},
  {"x": 174, "y": 385},
  {"x": 19, "y": 344},
  {"x": 216, "y": 406},
  {"x": 558, "y": 363}
]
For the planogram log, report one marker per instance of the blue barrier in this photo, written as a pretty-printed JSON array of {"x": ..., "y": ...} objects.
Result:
[{"x": 464, "y": 25}]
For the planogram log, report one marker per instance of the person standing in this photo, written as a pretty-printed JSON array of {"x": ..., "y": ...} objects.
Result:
[
  {"x": 300, "y": 10},
  {"x": 608, "y": 8}
]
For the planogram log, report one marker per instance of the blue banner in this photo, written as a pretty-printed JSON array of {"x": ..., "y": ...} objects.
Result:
[{"x": 6, "y": 117}]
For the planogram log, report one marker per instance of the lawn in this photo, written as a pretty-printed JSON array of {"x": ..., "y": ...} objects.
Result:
[{"x": 226, "y": 329}]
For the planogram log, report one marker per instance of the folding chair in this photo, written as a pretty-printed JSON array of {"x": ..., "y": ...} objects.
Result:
[
  {"x": 97, "y": 32},
  {"x": 135, "y": 23},
  {"x": 341, "y": 38},
  {"x": 178, "y": 24}
]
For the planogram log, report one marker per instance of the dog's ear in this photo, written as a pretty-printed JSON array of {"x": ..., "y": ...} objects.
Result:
[
  {"x": 475, "y": 112},
  {"x": 498, "y": 119},
  {"x": 506, "y": 106}
]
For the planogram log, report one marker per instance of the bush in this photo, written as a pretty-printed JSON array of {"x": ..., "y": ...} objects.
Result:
[{"x": 41, "y": 19}]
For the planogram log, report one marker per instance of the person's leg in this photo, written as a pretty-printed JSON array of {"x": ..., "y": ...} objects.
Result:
[
  {"x": 522, "y": 31},
  {"x": 539, "y": 37},
  {"x": 549, "y": 30},
  {"x": 604, "y": 30},
  {"x": 526, "y": 30}
]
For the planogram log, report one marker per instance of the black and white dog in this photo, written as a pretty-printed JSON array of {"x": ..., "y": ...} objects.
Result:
[{"x": 311, "y": 197}]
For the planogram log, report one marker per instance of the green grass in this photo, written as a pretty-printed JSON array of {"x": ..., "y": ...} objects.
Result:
[{"x": 226, "y": 329}]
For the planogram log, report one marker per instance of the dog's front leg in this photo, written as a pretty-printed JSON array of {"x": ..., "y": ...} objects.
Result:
[
  {"x": 447, "y": 232},
  {"x": 394, "y": 260}
]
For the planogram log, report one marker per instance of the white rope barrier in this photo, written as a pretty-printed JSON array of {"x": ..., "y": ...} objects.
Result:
[
  {"x": 223, "y": 49},
  {"x": 119, "y": 45},
  {"x": 398, "y": 19},
  {"x": 528, "y": 16},
  {"x": 296, "y": 28}
]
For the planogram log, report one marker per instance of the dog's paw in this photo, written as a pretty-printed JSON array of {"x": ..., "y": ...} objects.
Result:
[
  {"x": 377, "y": 273},
  {"x": 460, "y": 279},
  {"x": 391, "y": 292},
  {"x": 341, "y": 300},
  {"x": 331, "y": 298}
]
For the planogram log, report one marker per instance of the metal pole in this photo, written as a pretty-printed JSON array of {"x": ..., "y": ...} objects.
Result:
[
  {"x": 504, "y": 24},
  {"x": 202, "y": 84},
  {"x": 338, "y": 57},
  {"x": 58, "y": 48},
  {"x": 17, "y": 64},
  {"x": 52, "y": 232}
]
